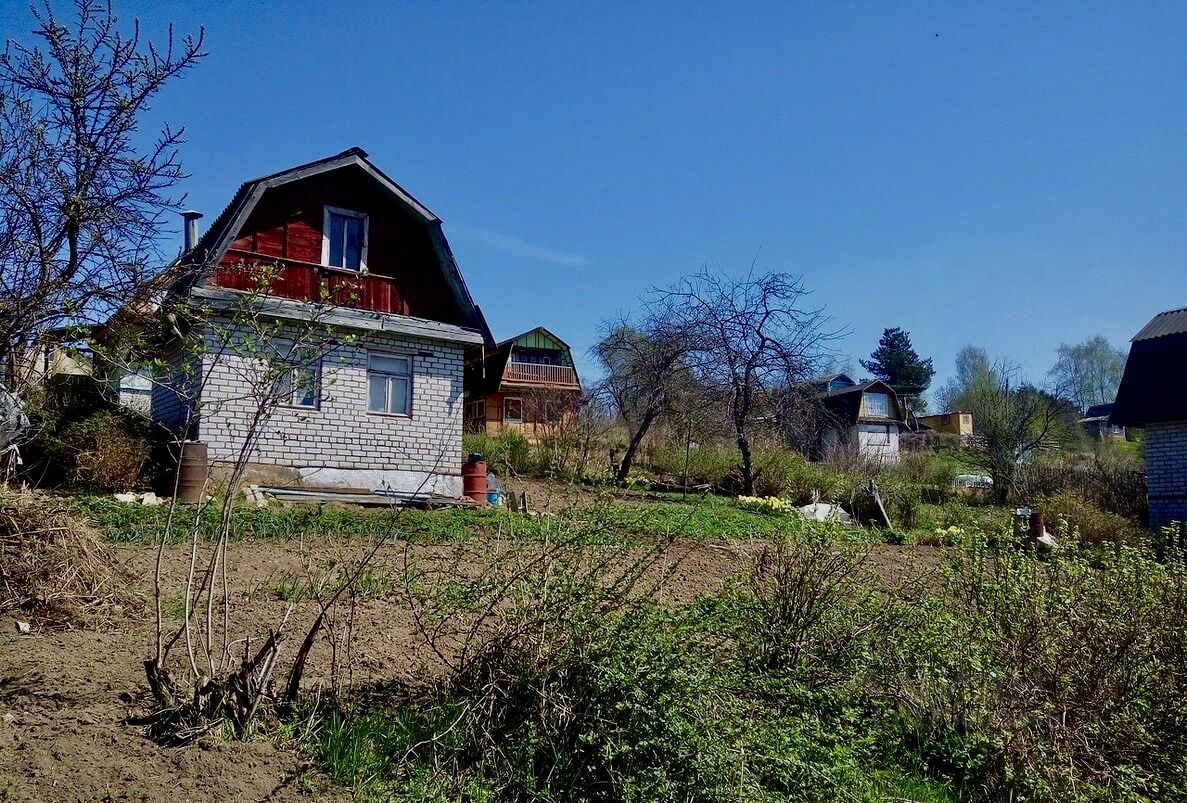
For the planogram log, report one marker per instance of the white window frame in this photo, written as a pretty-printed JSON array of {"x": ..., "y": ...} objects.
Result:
[
  {"x": 410, "y": 377},
  {"x": 507, "y": 420},
  {"x": 325, "y": 237},
  {"x": 289, "y": 387},
  {"x": 867, "y": 397}
]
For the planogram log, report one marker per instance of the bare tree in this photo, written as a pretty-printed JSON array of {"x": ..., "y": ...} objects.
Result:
[
  {"x": 1013, "y": 420},
  {"x": 746, "y": 335},
  {"x": 645, "y": 365},
  {"x": 81, "y": 201}
]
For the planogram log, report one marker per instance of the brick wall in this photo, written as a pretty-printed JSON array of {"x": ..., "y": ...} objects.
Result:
[
  {"x": 1166, "y": 472},
  {"x": 341, "y": 443}
]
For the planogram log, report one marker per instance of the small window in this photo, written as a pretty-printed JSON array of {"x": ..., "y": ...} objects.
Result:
[
  {"x": 512, "y": 410},
  {"x": 344, "y": 239},
  {"x": 877, "y": 405},
  {"x": 476, "y": 409},
  {"x": 300, "y": 385},
  {"x": 389, "y": 384}
]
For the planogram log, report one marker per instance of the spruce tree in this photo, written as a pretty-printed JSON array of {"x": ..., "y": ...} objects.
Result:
[{"x": 897, "y": 364}]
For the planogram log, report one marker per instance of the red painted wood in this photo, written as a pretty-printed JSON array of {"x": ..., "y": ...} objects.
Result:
[
  {"x": 307, "y": 282},
  {"x": 403, "y": 273}
]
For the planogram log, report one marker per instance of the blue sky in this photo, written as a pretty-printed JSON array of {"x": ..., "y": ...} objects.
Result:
[{"x": 1008, "y": 175}]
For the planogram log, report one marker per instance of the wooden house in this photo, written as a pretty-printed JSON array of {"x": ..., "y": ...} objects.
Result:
[
  {"x": 528, "y": 383},
  {"x": 865, "y": 419},
  {"x": 956, "y": 422}
]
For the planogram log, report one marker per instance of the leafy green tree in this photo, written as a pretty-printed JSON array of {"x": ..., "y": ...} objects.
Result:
[
  {"x": 896, "y": 363},
  {"x": 1088, "y": 373},
  {"x": 972, "y": 366}
]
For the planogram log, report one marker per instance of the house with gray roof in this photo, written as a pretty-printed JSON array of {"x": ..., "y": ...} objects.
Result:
[{"x": 1153, "y": 396}]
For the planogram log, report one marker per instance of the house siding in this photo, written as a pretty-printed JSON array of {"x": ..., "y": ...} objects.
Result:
[
  {"x": 171, "y": 397},
  {"x": 341, "y": 443},
  {"x": 1166, "y": 472},
  {"x": 870, "y": 444}
]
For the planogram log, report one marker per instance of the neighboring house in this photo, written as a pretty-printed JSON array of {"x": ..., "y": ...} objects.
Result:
[
  {"x": 864, "y": 418},
  {"x": 527, "y": 382},
  {"x": 830, "y": 382},
  {"x": 1098, "y": 426},
  {"x": 956, "y": 422},
  {"x": 353, "y": 252},
  {"x": 1153, "y": 395}
]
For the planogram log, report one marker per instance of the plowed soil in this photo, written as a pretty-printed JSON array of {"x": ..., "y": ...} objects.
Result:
[{"x": 66, "y": 696}]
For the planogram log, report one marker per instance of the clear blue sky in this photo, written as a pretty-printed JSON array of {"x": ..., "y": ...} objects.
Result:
[{"x": 1016, "y": 181}]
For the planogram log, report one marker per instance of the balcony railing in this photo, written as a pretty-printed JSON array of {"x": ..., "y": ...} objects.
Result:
[
  {"x": 537, "y": 374},
  {"x": 306, "y": 281}
]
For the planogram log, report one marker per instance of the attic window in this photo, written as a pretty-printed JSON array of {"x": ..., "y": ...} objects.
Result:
[
  {"x": 344, "y": 239},
  {"x": 877, "y": 405}
]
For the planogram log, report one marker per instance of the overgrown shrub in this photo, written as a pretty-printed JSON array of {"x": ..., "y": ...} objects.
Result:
[
  {"x": 707, "y": 465},
  {"x": 1065, "y": 513},
  {"x": 508, "y": 452},
  {"x": 107, "y": 450},
  {"x": 1051, "y": 680},
  {"x": 1112, "y": 481}
]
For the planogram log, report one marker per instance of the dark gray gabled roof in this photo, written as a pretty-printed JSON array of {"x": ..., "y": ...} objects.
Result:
[
  {"x": 1154, "y": 386},
  {"x": 1171, "y": 322}
]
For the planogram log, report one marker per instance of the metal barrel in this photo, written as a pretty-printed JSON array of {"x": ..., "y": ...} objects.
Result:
[
  {"x": 474, "y": 479},
  {"x": 193, "y": 469}
]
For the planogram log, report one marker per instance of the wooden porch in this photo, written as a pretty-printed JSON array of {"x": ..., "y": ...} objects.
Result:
[{"x": 308, "y": 281}]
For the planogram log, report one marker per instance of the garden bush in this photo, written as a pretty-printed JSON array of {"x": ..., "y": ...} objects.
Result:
[
  {"x": 507, "y": 452},
  {"x": 1050, "y": 680},
  {"x": 106, "y": 450},
  {"x": 1065, "y": 513}
]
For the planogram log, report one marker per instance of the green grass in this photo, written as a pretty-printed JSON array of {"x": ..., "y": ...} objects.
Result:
[{"x": 610, "y": 521}]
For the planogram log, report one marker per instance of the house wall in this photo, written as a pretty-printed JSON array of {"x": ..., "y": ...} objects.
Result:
[
  {"x": 956, "y": 424},
  {"x": 870, "y": 441},
  {"x": 865, "y": 440},
  {"x": 1166, "y": 472},
  {"x": 341, "y": 443},
  {"x": 171, "y": 397},
  {"x": 533, "y": 427}
]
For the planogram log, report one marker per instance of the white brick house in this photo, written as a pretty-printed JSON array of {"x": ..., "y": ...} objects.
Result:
[
  {"x": 1153, "y": 396},
  {"x": 361, "y": 268}
]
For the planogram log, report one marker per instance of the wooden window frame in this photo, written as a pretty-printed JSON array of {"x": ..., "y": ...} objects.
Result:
[
  {"x": 327, "y": 212},
  {"x": 867, "y": 396},
  {"x": 507, "y": 420}
]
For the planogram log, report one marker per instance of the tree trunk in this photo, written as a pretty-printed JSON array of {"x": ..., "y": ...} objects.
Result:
[
  {"x": 747, "y": 463},
  {"x": 624, "y": 467}
]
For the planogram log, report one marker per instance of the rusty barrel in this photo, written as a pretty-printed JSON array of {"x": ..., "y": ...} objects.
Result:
[
  {"x": 193, "y": 469},
  {"x": 474, "y": 479}
]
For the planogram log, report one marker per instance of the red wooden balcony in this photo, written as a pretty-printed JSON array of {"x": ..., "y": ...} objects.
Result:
[
  {"x": 525, "y": 373},
  {"x": 306, "y": 281}
]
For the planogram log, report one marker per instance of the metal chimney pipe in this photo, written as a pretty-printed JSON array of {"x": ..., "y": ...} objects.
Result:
[{"x": 190, "y": 238}]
